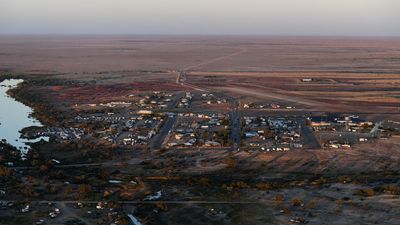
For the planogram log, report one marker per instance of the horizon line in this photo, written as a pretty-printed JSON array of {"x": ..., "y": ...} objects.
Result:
[{"x": 201, "y": 35}]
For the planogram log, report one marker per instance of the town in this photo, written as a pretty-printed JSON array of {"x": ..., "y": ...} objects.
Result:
[{"x": 166, "y": 120}]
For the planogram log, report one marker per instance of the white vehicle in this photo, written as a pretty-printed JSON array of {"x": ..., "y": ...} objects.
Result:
[
  {"x": 25, "y": 209},
  {"x": 79, "y": 205},
  {"x": 41, "y": 221},
  {"x": 156, "y": 196},
  {"x": 53, "y": 215}
]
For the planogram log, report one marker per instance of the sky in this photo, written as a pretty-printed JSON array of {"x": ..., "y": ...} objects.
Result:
[{"x": 203, "y": 17}]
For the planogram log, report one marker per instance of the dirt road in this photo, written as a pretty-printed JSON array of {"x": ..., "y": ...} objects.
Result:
[
  {"x": 265, "y": 94},
  {"x": 236, "y": 53}
]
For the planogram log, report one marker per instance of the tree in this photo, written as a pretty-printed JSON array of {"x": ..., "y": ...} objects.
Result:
[
  {"x": 28, "y": 191},
  {"x": 43, "y": 168},
  {"x": 162, "y": 206},
  {"x": 5, "y": 172},
  {"x": 367, "y": 192},
  {"x": 231, "y": 162},
  {"x": 278, "y": 199},
  {"x": 124, "y": 221},
  {"x": 204, "y": 181},
  {"x": 263, "y": 186},
  {"x": 297, "y": 202},
  {"x": 84, "y": 190}
]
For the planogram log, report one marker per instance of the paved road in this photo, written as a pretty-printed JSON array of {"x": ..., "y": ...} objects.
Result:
[
  {"x": 67, "y": 213},
  {"x": 235, "y": 124},
  {"x": 157, "y": 141},
  {"x": 308, "y": 136},
  {"x": 374, "y": 130},
  {"x": 181, "y": 78},
  {"x": 176, "y": 100}
]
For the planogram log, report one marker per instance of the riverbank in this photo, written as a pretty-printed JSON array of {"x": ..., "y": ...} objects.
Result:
[{"x": 14, "y": 117}]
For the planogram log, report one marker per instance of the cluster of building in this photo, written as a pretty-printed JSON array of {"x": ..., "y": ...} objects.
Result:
[
  {"x": 186, "y": 100},
  {"x": 140, "y": 128},
  {"x": 200, "y": 130},
  {"x": 63, "y": 134},
  {"x": 109, "y": 117},
  {"x": 211, "y": 99},
  {"x": 345, "y": 123},
  {"x": 125, "y": 128},
  {"x": 338, "y": 131},
  {"x": 156, "y": 100},
  {"x": 58, "y": 134},
  {"x": 254, "y": 105},
  {"x": 115, "y": 104},
  {"x": 108, "y": 104},
  {"x": 271, "y": 133},
  {"x": 336, "y": 144}
]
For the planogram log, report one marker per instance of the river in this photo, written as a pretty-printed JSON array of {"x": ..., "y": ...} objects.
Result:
[{"x": 14, "y": 116}]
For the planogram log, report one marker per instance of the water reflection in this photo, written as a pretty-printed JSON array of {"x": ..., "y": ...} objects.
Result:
[{"x": 14, "y": 116}]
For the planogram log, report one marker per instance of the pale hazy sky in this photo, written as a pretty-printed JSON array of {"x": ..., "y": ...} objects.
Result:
[{"x": 246, "y": 17}]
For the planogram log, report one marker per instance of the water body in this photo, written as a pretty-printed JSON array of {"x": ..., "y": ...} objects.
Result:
[{"x": 14, "y": 116}]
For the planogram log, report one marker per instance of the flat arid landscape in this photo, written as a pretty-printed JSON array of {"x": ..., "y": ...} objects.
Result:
[
  {"x": 113, "y": 53},
  {"x": 201, "y": 130}
]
